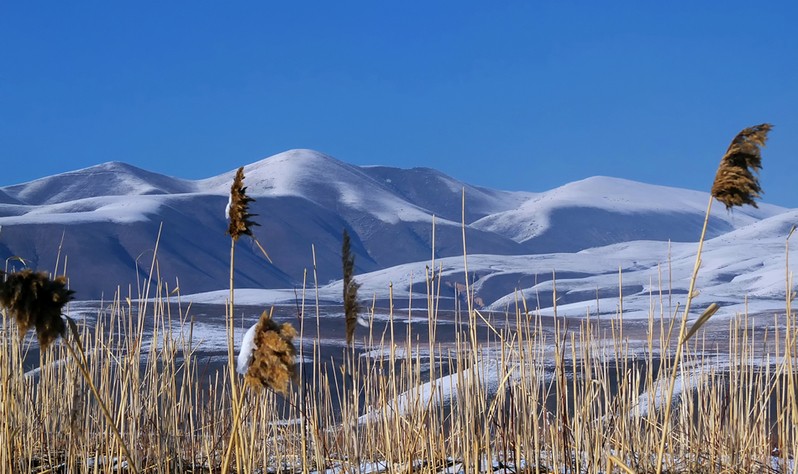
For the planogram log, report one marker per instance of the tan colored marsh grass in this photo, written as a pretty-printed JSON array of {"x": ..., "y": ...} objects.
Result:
[{"x": 529, "y": 396}]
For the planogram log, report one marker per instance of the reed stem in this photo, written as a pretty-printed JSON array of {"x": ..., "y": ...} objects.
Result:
[{"x": 681, "y": 342}]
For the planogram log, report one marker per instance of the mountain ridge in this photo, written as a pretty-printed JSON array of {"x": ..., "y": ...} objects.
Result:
[
  {"x": 112, "y": 178},
  {"x": 110, "y": 214}
]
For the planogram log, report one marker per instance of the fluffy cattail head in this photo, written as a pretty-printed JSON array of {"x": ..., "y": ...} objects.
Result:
[
  {"x": 34, "y": 300},
  {"x": 272, "y": 360},
  {"x": 736, "y": 182},
  {"x": 240, "y": 222}
]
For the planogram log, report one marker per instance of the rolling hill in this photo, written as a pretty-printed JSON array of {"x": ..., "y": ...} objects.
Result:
[{"x": 103, "y": 223}]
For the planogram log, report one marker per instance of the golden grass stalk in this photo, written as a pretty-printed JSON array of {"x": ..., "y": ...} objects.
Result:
[
  {"x": 240, "y": 220},
  {"x": 240, "y": 223},
  {"x": 34, "y": 300},
  {"x": 272, "y": 363},
  {"x": 82, "y": 363},
  {"x": 735, "y": 185},
  {"x": 351, "y": 306},
  {"x": 708, "y": 313},
  {"x": 736, "y": 182}
]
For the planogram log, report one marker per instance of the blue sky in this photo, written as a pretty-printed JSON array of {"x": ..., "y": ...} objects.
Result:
[{"x": 505, "y": 94}]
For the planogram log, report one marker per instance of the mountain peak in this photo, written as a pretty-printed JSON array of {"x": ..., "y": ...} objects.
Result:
[
  {"x": 113, "y": 178},
  {"x": 300, "y": 158}
]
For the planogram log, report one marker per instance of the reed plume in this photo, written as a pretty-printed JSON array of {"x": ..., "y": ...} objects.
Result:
[
  {"x": 736, "y": 182},
  {"x": 735, "y": 185},
  {"x": 351, "y": 306},
  {"x": 272, "y": 361},
  {"x": 34, "y": 300},
  {"x": 240, "y": 222}
]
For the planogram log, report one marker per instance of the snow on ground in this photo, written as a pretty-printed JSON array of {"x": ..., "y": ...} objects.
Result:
[
  {"x": 742, "y": 269},
  {"x": 443, "y": 390},
  {"x": 245, "y": 296}
]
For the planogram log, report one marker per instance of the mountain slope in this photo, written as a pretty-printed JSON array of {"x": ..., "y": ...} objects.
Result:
[
  {"x": 6, "y": 199},
  {"x": 392, "y": 228},
  {"x": 110, "y": 214},
  {"x": 103, "y": 254},
  {"x": 600, "y": 211},
  {"x": 107, "y": 179},
  {"x": 442, "y": 195},
  {"x": 743, "y": 271}
]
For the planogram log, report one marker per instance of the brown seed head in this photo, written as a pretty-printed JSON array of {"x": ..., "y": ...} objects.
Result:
[
  {"x": 273, "y": 358},
  {"x": 240, "y": 222},
  {"x": 736, "y": 182},
  {"x": 351, "y": 305},
  {"x": 34, "y": 300}
]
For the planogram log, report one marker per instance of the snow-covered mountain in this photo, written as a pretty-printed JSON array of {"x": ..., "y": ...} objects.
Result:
[
  {"x": 601, "y": 210},
  {"x": 104, "y": 223},
  {"x": 107, "y": 179}
]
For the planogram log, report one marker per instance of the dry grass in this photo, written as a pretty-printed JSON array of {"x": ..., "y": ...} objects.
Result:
[
  {"x": 516, "y": 392},
  {"x": 528, "y": 396},
  {"x": 735, "y": 185},
  {"x": 510, "y": 392}
]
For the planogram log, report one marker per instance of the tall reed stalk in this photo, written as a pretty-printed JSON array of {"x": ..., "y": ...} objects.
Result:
[
  {"x": 239, "y": 223},
  {"x": 735, "y": 184}
]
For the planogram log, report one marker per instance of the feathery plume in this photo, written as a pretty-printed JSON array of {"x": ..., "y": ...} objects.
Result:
[
  {"x": 351, "y": 306},
  {"x": 34, "y": 300},
  {"x": 238, "y": 208},
  {"x": 271, "y": 362},
  {"x": 736, "y": 183}
]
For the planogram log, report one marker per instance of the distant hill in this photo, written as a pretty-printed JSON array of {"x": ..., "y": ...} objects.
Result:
[{"x": 109, "y": 216}]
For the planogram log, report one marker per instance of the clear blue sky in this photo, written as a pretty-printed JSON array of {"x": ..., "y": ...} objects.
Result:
[{"x": 519, "y": 95}]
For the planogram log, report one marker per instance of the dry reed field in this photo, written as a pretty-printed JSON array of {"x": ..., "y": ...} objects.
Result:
[{"x": 503, "y": 392}]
